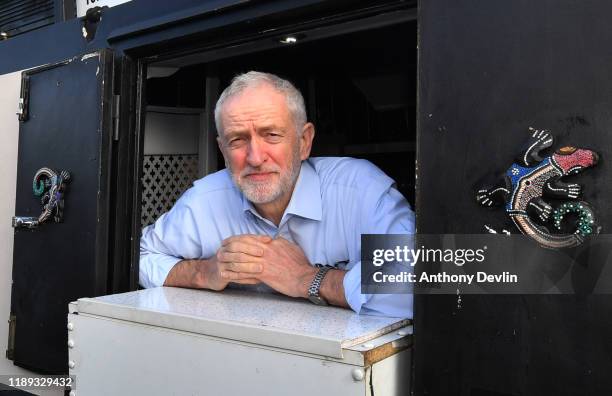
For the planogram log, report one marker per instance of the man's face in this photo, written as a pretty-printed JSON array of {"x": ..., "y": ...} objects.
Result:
[{"x": 260, "y": 144}]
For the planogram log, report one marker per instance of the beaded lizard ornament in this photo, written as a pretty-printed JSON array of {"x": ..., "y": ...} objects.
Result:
[
  {"x": 531, "y": 178},
  {"x": 51, "y": 187}
]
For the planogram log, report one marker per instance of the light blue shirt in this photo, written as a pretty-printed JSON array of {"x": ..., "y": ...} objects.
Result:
[{"x": 335, "y": 200}]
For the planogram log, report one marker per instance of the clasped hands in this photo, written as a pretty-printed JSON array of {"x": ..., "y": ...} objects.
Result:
[{"x": 251, "y": 259}]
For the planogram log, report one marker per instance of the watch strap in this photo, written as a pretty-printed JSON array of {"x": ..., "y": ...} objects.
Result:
[{"x": 315, "y": 285}]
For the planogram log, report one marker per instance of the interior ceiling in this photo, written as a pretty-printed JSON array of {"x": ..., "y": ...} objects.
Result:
[
  {"x": 377, "y": 61},
  {"x": 272, "y": 40}
]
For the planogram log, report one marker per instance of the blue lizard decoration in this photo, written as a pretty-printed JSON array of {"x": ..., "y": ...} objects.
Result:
[{"x": 530, "y": 178}]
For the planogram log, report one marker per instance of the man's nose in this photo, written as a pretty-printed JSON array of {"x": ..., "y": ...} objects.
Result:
[{"x": 256, "y": 154}]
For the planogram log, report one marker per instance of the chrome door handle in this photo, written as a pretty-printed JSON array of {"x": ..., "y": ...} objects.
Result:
[{"x": 25, "y": 222}]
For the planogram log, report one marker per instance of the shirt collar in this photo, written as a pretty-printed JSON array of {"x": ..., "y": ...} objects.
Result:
[{"x": 305, "y": 200}]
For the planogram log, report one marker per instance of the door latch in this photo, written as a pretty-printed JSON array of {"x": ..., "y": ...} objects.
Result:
[
  {"x": 10, "y": 350},
  {"x": 51, "y": 187},
  {"x": 24, "y": 98}
]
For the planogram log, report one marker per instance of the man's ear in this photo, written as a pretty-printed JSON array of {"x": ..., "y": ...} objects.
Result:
[{"x": 308, "y": 133}]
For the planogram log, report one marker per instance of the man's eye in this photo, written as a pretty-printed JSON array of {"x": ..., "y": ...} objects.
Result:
[{"x": 235, "y": 141}]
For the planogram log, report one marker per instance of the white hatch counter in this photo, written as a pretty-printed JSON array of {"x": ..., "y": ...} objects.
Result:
[{"x": 171, "y": 341}]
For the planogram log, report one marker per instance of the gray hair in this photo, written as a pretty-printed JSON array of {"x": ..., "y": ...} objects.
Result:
[{"x": 293, "y": 97}]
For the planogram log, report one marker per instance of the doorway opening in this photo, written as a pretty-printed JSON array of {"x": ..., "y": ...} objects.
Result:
[{"x": 359, "y": 82}]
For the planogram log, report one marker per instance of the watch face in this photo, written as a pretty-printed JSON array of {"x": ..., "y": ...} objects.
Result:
[{"x": 317, "y": 300}]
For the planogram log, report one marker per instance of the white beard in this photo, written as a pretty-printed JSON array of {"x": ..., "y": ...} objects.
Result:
[{"x": 266, "y": 192}]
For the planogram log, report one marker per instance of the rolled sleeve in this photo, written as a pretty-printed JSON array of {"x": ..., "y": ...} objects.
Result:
[
  {"x": 172, "y": 238},
  {"x": 391, "y": 214},
  {"x": 154, "y": 270},
  {"x": 352, "y": 288},
  {"x": 393, "y": 305}
]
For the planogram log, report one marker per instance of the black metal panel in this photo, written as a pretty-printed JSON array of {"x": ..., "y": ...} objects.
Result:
[
  {"x": 489, "y": 70},
  {"x": 21, "y": 16},
  {"x": 123, "y": 273},
  {"x": 68, "y": 129}
]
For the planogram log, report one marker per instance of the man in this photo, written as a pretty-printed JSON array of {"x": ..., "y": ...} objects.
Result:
[{"x": 274, "y": 216}]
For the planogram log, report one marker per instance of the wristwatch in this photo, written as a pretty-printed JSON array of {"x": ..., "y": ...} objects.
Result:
[{"x": 315, "y": 286}]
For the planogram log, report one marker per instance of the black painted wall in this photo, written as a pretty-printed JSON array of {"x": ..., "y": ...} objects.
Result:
[{"x": 488, "y": 70}]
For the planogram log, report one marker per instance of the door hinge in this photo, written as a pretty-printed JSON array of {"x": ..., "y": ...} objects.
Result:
[
  {"x": 10, "y": 351},
  {"x": 116, "y": 108},
  {"x": 24, "y": 98}
]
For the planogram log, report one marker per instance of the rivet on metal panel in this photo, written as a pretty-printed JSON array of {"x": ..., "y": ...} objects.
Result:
[
  {"x": 358, "y": 374},
  {"x": 70, "y": 326},
  {"x": 70, "y": 343},
  {"x": 71, "y": 364}
]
